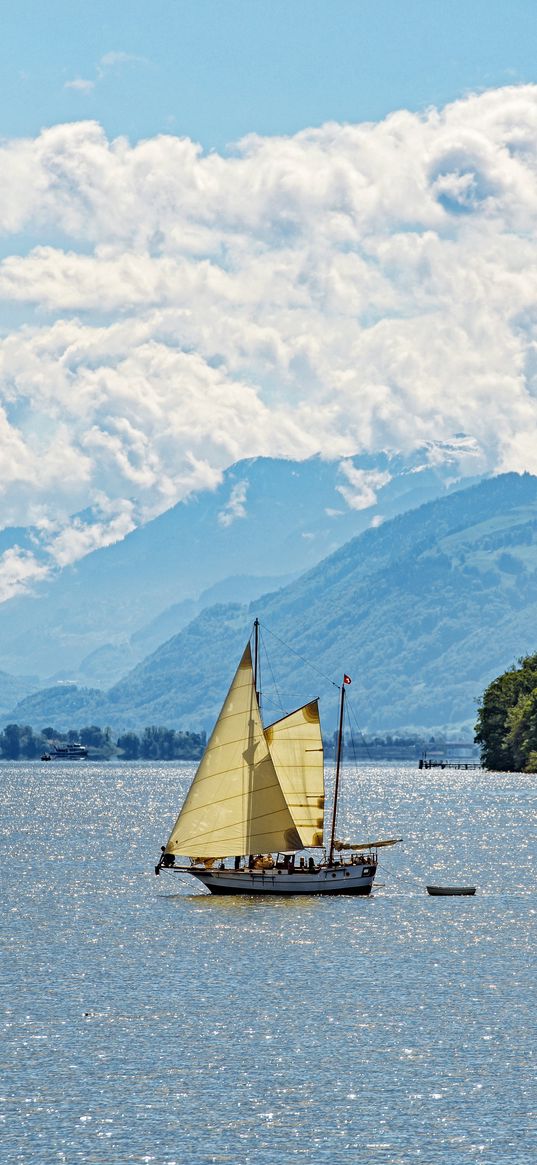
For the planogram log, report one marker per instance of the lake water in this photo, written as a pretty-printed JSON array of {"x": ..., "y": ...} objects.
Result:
[{"x": 146, "y": 1021}]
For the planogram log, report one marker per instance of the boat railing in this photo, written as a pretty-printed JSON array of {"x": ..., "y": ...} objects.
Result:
[{"x": 264, "y": 863}]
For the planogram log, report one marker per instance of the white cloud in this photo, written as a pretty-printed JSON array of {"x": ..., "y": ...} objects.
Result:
[
  {"x": 350, "y": 288},
  {"x": 110, "y": 61},
  {"x": 361, "y": 491},
  {"x": 59, "y": 542},
  {"x": 80, "y": 84},
  {"x": 66, "y": 542},
  {"x": 18, "y": 570},
  {"x": 236, "y": 505}
]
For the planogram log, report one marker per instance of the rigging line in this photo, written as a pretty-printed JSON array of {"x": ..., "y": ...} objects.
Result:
[
  {"x": 267, "y": 657},
  {"x": 348, "y": 710},
  {"x": 302, "y": 657},
  {"x": 273, "y": 704},
  {"x": 359, "y": 731},
  {"x": 396, "y": 874}
]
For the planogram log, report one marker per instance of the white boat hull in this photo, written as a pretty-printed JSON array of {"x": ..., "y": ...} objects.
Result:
[{"x": 333, "y": 880}]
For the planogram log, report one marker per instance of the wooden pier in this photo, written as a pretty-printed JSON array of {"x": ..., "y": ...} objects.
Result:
[{"x": 423, "y": 763}]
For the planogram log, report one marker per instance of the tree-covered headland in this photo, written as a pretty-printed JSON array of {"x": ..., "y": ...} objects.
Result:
[{"x": 506, "y": 726}]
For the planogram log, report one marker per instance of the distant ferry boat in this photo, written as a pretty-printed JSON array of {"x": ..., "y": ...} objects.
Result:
[{"x": 66, "y": 752}]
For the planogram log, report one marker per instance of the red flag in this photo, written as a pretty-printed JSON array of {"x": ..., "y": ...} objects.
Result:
[{"x": 347, "y": 680}]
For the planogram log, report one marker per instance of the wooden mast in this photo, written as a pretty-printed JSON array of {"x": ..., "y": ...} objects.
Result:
[
  {"x": 256, "y": 658},
  {"x": 338, "y": 769}
]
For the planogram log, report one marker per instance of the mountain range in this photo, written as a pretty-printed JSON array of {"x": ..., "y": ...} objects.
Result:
[
  {"x": 422, "y": 611},
  {"x": 268, "y": 521}
]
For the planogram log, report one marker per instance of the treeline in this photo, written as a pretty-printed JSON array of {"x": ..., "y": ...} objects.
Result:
[
  {"x": 506, "y": 727},
  {"x": 389, "y": 747},
  {"x": 161, "y": 744},
  {"x": 20, "y": 742}
]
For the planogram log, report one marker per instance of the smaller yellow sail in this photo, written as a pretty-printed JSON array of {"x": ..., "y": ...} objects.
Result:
[{"x": 296, "y": 747}]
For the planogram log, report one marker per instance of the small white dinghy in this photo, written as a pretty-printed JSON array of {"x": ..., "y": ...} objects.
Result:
[{"x": 444, "y": 891}]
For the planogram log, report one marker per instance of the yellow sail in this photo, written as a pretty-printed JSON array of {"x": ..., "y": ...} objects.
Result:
[
  {"x": 296, "y": 748},
  {"x": 235, "y": 804}
]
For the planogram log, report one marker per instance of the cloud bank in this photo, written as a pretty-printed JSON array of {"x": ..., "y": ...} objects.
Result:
[{"x": 353, "y": 287}]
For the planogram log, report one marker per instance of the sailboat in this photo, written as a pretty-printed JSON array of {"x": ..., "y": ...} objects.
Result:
[{"x": 256, "y": 803}]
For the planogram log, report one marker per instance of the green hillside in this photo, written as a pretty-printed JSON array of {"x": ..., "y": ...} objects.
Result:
[{"x": 422, "y": 612}]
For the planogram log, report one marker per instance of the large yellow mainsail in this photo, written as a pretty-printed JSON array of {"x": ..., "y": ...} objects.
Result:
[
  {"x": 235, "y": 804},
  {"x": 296, "y": 747}
]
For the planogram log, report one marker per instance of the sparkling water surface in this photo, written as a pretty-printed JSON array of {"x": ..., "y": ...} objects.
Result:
[{"x": 147, "y": 1021}]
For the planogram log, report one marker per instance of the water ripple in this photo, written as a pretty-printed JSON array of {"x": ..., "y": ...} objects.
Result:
[{"x": 145, "y": 1021}]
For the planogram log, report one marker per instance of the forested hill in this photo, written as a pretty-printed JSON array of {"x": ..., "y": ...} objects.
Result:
[{"x": 422, "y": 612}]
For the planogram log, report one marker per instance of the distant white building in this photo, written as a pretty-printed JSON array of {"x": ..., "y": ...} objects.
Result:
[{"x": 463, "y": 750}]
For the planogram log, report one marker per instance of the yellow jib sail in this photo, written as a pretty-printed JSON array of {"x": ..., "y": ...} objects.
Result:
[
  {"x": 235, "y": 804},
  {"x": 296, "y": 747}
]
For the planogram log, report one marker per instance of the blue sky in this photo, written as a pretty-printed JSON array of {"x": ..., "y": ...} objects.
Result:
[{"x": 217, "y": 69}]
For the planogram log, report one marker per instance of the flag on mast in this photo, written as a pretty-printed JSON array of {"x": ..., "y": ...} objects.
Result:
[{"x": 347, "y": 679}]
